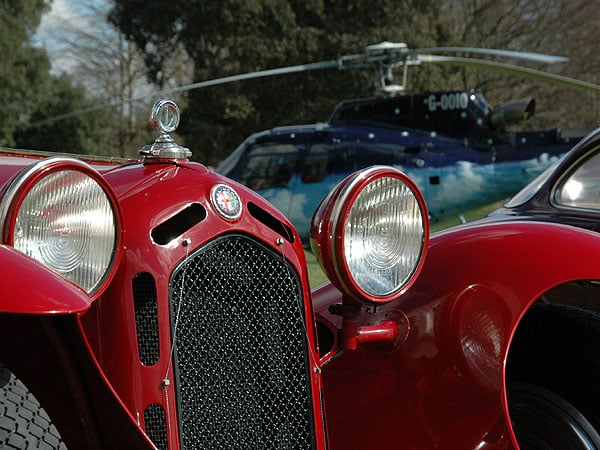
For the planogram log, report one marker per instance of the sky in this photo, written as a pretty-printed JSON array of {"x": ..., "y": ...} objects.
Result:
[
  {"x": 61, "y": 12},
  {"x": 70, "y": 32},
  {"x": 64, "y": 16}
]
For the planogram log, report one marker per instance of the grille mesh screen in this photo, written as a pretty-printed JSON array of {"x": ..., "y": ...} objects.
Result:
[
  {"x": 155, "y": 425},
  {"x": 146, "y": 317},
  {"x": 241, "y": 353}
]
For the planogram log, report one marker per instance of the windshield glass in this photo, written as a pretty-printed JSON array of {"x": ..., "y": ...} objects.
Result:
[
  {"x": 581, "y": 189},
  {"x": 532, "y": 188}
]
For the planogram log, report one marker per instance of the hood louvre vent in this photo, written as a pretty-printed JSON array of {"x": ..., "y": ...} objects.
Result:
[
  {"x": 178, "y": 224},
  {"x": 270, "y": 221}
]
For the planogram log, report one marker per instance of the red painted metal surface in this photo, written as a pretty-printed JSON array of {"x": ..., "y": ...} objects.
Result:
[
  {"x": 328, "y": 224},
  {"x": 424, "y": 371},
  {"x": 30, "y": 288},
  {"x": 148, "y": 195},
  {"x": 444, "y": 387}
]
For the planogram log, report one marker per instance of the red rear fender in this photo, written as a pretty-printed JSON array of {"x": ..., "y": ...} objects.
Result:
[{"x": 443, "y": 387}]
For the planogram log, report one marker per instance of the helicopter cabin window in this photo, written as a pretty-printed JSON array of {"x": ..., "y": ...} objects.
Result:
[
  {"x": 350, "y": 158},
  {"x": 315, "y": 164},
  {"x": 581, "y": 189},
  {"x": 269, "y": 166}
]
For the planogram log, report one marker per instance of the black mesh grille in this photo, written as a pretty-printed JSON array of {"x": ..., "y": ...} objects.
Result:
[
  {"x": 155, "y": 425},
  {"x": 241, "y": 352},
  {"x": 146, "y": 317}
]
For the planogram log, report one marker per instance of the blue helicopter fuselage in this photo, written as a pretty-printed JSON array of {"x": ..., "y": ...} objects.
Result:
[{"x": 455, "y": 160}]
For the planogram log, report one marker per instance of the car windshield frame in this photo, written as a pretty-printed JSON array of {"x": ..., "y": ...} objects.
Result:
[{"x": 529, "y": 191}]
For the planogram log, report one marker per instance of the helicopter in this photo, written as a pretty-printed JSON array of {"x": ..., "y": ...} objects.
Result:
[{"x": 453, "y": 144}]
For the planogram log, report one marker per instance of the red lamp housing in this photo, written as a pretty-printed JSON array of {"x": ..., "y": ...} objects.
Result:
[
  {"x": 370, "y": 234},
  {"x": 62, "y": 212}
]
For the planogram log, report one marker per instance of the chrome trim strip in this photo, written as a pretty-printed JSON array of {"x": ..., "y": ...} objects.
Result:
[{"x": 15, "y": 186}]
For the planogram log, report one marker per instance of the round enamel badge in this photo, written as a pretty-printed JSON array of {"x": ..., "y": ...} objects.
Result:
[{"x": 226, "y": 201}]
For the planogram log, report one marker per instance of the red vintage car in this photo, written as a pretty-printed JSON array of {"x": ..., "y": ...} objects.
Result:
[{"x": 156, "y": 304}]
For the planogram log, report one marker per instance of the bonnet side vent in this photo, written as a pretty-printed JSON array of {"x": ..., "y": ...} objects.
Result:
[
  {"x": 178, "y": 224},
  {"x": 270, "y": 221},
  {"x": 155, "y": 425},
  {"x": 146, "y": 317}
]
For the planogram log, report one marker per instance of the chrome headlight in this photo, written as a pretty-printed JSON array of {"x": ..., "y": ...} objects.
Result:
[
  {"x": 61, "y": 212},
  {"x": 370, "y": 234}
]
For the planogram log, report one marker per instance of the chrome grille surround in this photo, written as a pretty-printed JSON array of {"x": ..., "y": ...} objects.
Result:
[{"x": 241, "y": 352}]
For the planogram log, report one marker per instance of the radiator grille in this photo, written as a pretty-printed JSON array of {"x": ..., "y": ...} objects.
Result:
[{"x": 240, "y": 356}]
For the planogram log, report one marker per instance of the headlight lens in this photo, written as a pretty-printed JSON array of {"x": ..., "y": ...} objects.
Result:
[
  {"x": 66, "y": 220},
  {"x": 370, "y": 234},
  {"x": 383, "y": 236}
]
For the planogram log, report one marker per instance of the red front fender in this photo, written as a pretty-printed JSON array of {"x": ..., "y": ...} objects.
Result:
[
  {"x": 28, "y": 287},
  {"x": 444, "y": 387}
]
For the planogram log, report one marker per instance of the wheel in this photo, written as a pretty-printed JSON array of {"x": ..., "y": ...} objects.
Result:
[
  {"x": 541, "y": 417},
  {"x": 23, "y": 422},
  {"x": 552, "y": 372}
]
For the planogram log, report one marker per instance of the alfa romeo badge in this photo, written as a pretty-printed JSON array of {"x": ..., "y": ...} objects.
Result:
[{"x": 226, "y": 201}]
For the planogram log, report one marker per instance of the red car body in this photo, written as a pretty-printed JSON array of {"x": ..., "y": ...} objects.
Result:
[
  {"x": 425, "y": 369},
  {"x": 443, "y": 385}
]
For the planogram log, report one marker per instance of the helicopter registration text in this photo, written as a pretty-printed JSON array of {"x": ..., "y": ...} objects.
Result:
[{"x": 447, "y": 101}]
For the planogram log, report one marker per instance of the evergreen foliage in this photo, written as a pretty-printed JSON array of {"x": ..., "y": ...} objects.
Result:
[
  {"x": 24, "y": 70},
  {"x": 216, "y": 38},
  {"x": 29, "y": 93},
  {"x": 237, "y": 36}
]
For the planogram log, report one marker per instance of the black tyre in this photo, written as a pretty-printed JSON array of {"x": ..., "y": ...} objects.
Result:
[
  {"x": 552, "y": 374},
  {"x": 23, "y": 422}
]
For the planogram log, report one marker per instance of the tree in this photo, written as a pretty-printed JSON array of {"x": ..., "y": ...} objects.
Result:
[
  {"x": 24, "y": 75},
  {"x": 87, "y": 133},
  {"x": 86, "y": 47},
  {"x": 559, "y": 27},
  {"x": 30, "y": 93},
  {"x": 237, "y": 36}
]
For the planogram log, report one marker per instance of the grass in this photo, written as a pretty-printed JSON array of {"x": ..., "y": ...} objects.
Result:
[
  {"x": 469, "y": 216},
  {"x": 316, "y": 275}
]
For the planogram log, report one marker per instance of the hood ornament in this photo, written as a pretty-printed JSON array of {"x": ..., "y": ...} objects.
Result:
[{"x": 165, "y": 119}]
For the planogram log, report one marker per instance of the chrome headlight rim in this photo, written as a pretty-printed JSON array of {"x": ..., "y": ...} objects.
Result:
[
  {"x": 20, "y": 187},
  {"x": 328, "y": 233}
]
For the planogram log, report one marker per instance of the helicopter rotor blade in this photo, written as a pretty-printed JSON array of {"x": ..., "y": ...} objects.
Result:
[
  {"x": 528, "y": 56},
  {"x": 360, "y": 60},
  {"x": 384, "y": 54},
  {"x": 332, "y": 64},
  {"x": 511, "y": 69}
]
